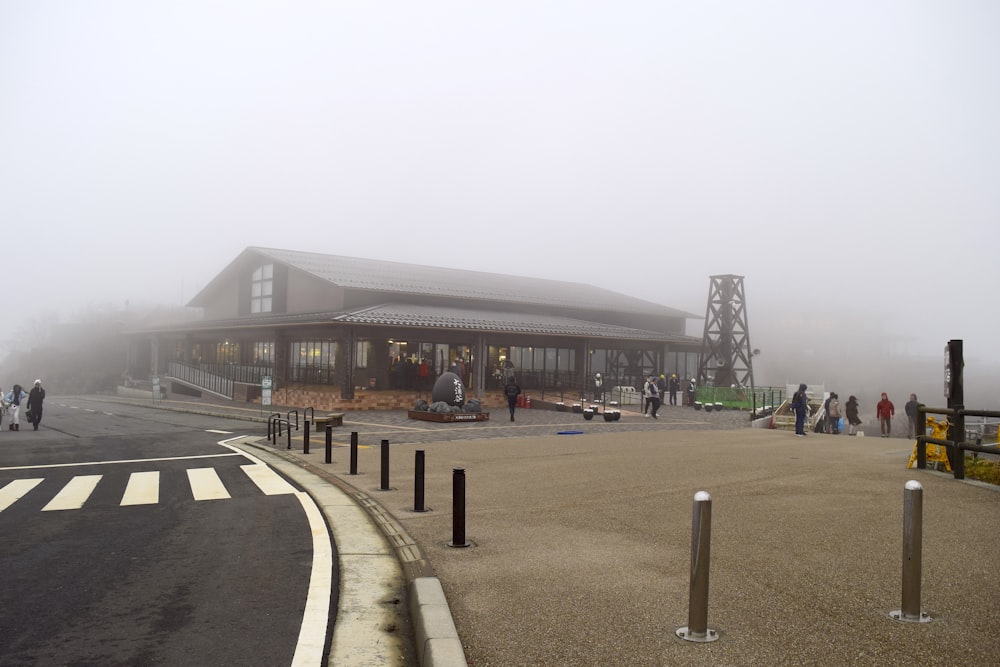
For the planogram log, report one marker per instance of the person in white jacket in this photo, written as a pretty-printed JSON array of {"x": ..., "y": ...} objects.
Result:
[{"x": 14, "y": 398}]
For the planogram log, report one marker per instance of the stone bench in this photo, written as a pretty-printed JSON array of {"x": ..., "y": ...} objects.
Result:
[{"x": 332, "y": 419}]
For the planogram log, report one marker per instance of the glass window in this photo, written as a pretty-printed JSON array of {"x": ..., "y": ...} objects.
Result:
[
  {"x": 261, "y": 289},
  {"x": 313, "y": 361}
]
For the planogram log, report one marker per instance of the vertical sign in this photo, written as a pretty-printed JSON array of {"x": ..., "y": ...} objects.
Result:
[{"x": 265, "y": 390}]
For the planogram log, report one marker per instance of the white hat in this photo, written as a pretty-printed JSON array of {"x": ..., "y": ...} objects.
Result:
[{"x": 38, "y": 381}]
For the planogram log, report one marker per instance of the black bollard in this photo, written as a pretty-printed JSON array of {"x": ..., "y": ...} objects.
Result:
[
  {"x": 289, "y": 432},
  {"x": 305, "y": 437},
  {"x": 329, "y": 443},
  {"x": 385, "y": 466},
  {"x": 418, "y": 483},
  {"x": 354, "y": 452},
  {"x": 458, "y": 508}
]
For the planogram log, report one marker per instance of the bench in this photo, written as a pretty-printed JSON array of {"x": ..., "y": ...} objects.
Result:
[{"x": 332, "y": 419}]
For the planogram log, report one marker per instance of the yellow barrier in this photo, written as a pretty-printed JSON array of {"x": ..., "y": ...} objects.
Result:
[{"x": 935, "y": 453}]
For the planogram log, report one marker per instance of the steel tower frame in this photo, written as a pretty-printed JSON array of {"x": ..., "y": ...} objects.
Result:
[{"x": 726, "y": 358}]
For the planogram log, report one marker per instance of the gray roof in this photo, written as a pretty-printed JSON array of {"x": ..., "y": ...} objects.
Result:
[
  {"x": 436, "y": 317},
  {"x": 416, "y": 279}
]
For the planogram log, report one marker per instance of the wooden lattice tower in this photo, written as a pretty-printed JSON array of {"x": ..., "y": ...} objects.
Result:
[{"x": 726, "y": 357}]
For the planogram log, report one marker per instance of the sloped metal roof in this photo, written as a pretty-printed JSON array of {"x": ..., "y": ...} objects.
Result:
[
  {"x": 435, "y": 317},
  {"x": 415, "y": 279}
]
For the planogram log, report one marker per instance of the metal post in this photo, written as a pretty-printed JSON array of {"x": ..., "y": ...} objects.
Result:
[
  {"x": 329, "y": 443},
  {"x": 354, "y": 452},
  {"x": 385, "y": 466},
  {"x": 289, "y": 432},
  {"x": 418, "y": 483},
  {"x": 697, "y": 629},
  {"x": 913, "y": 518},
  {"x": 458, "y": 508},
  {"x": 305, "y": 437}
]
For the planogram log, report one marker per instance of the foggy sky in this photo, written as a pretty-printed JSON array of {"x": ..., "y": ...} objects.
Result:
[{"x": 843, "y": 157}]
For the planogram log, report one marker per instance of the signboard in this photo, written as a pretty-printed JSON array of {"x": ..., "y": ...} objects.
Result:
[{"x": 266, "y": 384}]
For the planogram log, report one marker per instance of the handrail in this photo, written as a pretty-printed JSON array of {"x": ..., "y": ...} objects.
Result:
[
  {"x": 288, "y": 416},
  {"x": 309, "y": 414}
]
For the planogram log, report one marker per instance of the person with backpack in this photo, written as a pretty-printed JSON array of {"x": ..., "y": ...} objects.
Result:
[
  {"x": 800, "y": 406},
  {"x": 511, "y": 390},
  {"x": 652, "y": 396},
  {"x": 833, "y": 414}
]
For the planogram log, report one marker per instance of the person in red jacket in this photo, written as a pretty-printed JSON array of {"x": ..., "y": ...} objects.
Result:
[{"x": 884, "y": 410}]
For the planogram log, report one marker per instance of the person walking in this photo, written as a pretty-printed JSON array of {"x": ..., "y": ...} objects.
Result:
[
  {"x": 3, "y": 406},
  {"x": 834, "y": 414},
  {"x": 14, "y": 399},
  {"x": 691, "y": 392},
  {"x": 654, "y": 396},
  {"x": 853, "y": 420},
  {"x": 911, "y": 416},
  {"x": 511, "y": 390},
  {"x": 800, "y": 405},
  {"x": 884, "y": 410},
  {"x": 675, "y": 385},
  {"x": 647, "y": 396},
  {"x": 35, "y": 399}
]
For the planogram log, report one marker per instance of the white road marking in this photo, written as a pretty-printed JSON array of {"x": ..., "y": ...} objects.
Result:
[
  {"x": 214, "y": 430},
  {"x": 16, "y": 490},
  {"x": 206, "y": 485},
  {"x": 312, "y": 635},
  {"x": 74, "y": 494},
  {"x": 104, "y": 463},
  {"x": 268, "y": 481},
  {"x": 143, "y": 489}
]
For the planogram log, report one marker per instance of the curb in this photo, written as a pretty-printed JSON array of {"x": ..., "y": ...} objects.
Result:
[{"x": 436, "y": 638}]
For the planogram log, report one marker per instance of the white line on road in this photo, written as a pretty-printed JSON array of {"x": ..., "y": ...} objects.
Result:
[
  {"x": 143, "y": 488},
  {"x": 104, "y": 463},
  {"x": 74, "y": 494},
  {"x": 206, "y": 485},
  {"x": 16, "y": 490},
  {"x": 312, "y": 635},
  {"x": 268, "y": 481}
]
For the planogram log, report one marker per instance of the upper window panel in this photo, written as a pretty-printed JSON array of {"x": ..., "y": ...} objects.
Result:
[{"x": 261, "y": 286}]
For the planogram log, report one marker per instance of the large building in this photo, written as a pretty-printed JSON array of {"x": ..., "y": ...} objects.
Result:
[{"x": 336, "y": 326}]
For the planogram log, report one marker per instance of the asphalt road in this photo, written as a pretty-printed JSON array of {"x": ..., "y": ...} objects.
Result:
[{"x": 132, "y": 537}]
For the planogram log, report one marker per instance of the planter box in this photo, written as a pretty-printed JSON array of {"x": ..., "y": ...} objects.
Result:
[{"x": 448, "y": 417}]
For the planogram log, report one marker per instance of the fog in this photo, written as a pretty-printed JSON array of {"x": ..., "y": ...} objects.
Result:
[{"x": 843, "y": 157}]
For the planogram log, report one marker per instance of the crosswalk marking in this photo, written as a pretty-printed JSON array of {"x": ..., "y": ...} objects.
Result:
[
  {"x": 268, "y": 481},
  {"x": 15, "y": 490},
  {"x": 206, "y": 485},
  {"x": 143, "y": 488},
  {"x": 74, "y": 494}
]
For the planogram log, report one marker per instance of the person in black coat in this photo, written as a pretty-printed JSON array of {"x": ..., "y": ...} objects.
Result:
[
  {"x": 511, "y": 391},
  {"x": 35, "y": 399}
]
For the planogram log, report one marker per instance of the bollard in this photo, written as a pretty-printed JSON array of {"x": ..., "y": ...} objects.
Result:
[
  {"x": 385, "y": 466},
  {"x": 913, "y": 518},
  {"x": 354, "y": 452},
  {"x": 458, "y": 508},
  {"x": 289, "y": 432},
  {"x": 329, "y": 443},
  {"x": 305, "y": 437},
  {"x": 697, "y": 629},
  {"x": 418, "y": 482}
]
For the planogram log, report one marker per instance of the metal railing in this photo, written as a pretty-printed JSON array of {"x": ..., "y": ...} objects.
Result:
[{"x": 201, "y": 378}]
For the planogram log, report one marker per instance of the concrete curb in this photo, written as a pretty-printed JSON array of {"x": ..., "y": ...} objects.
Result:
[{"x": 436, "y": 638}]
